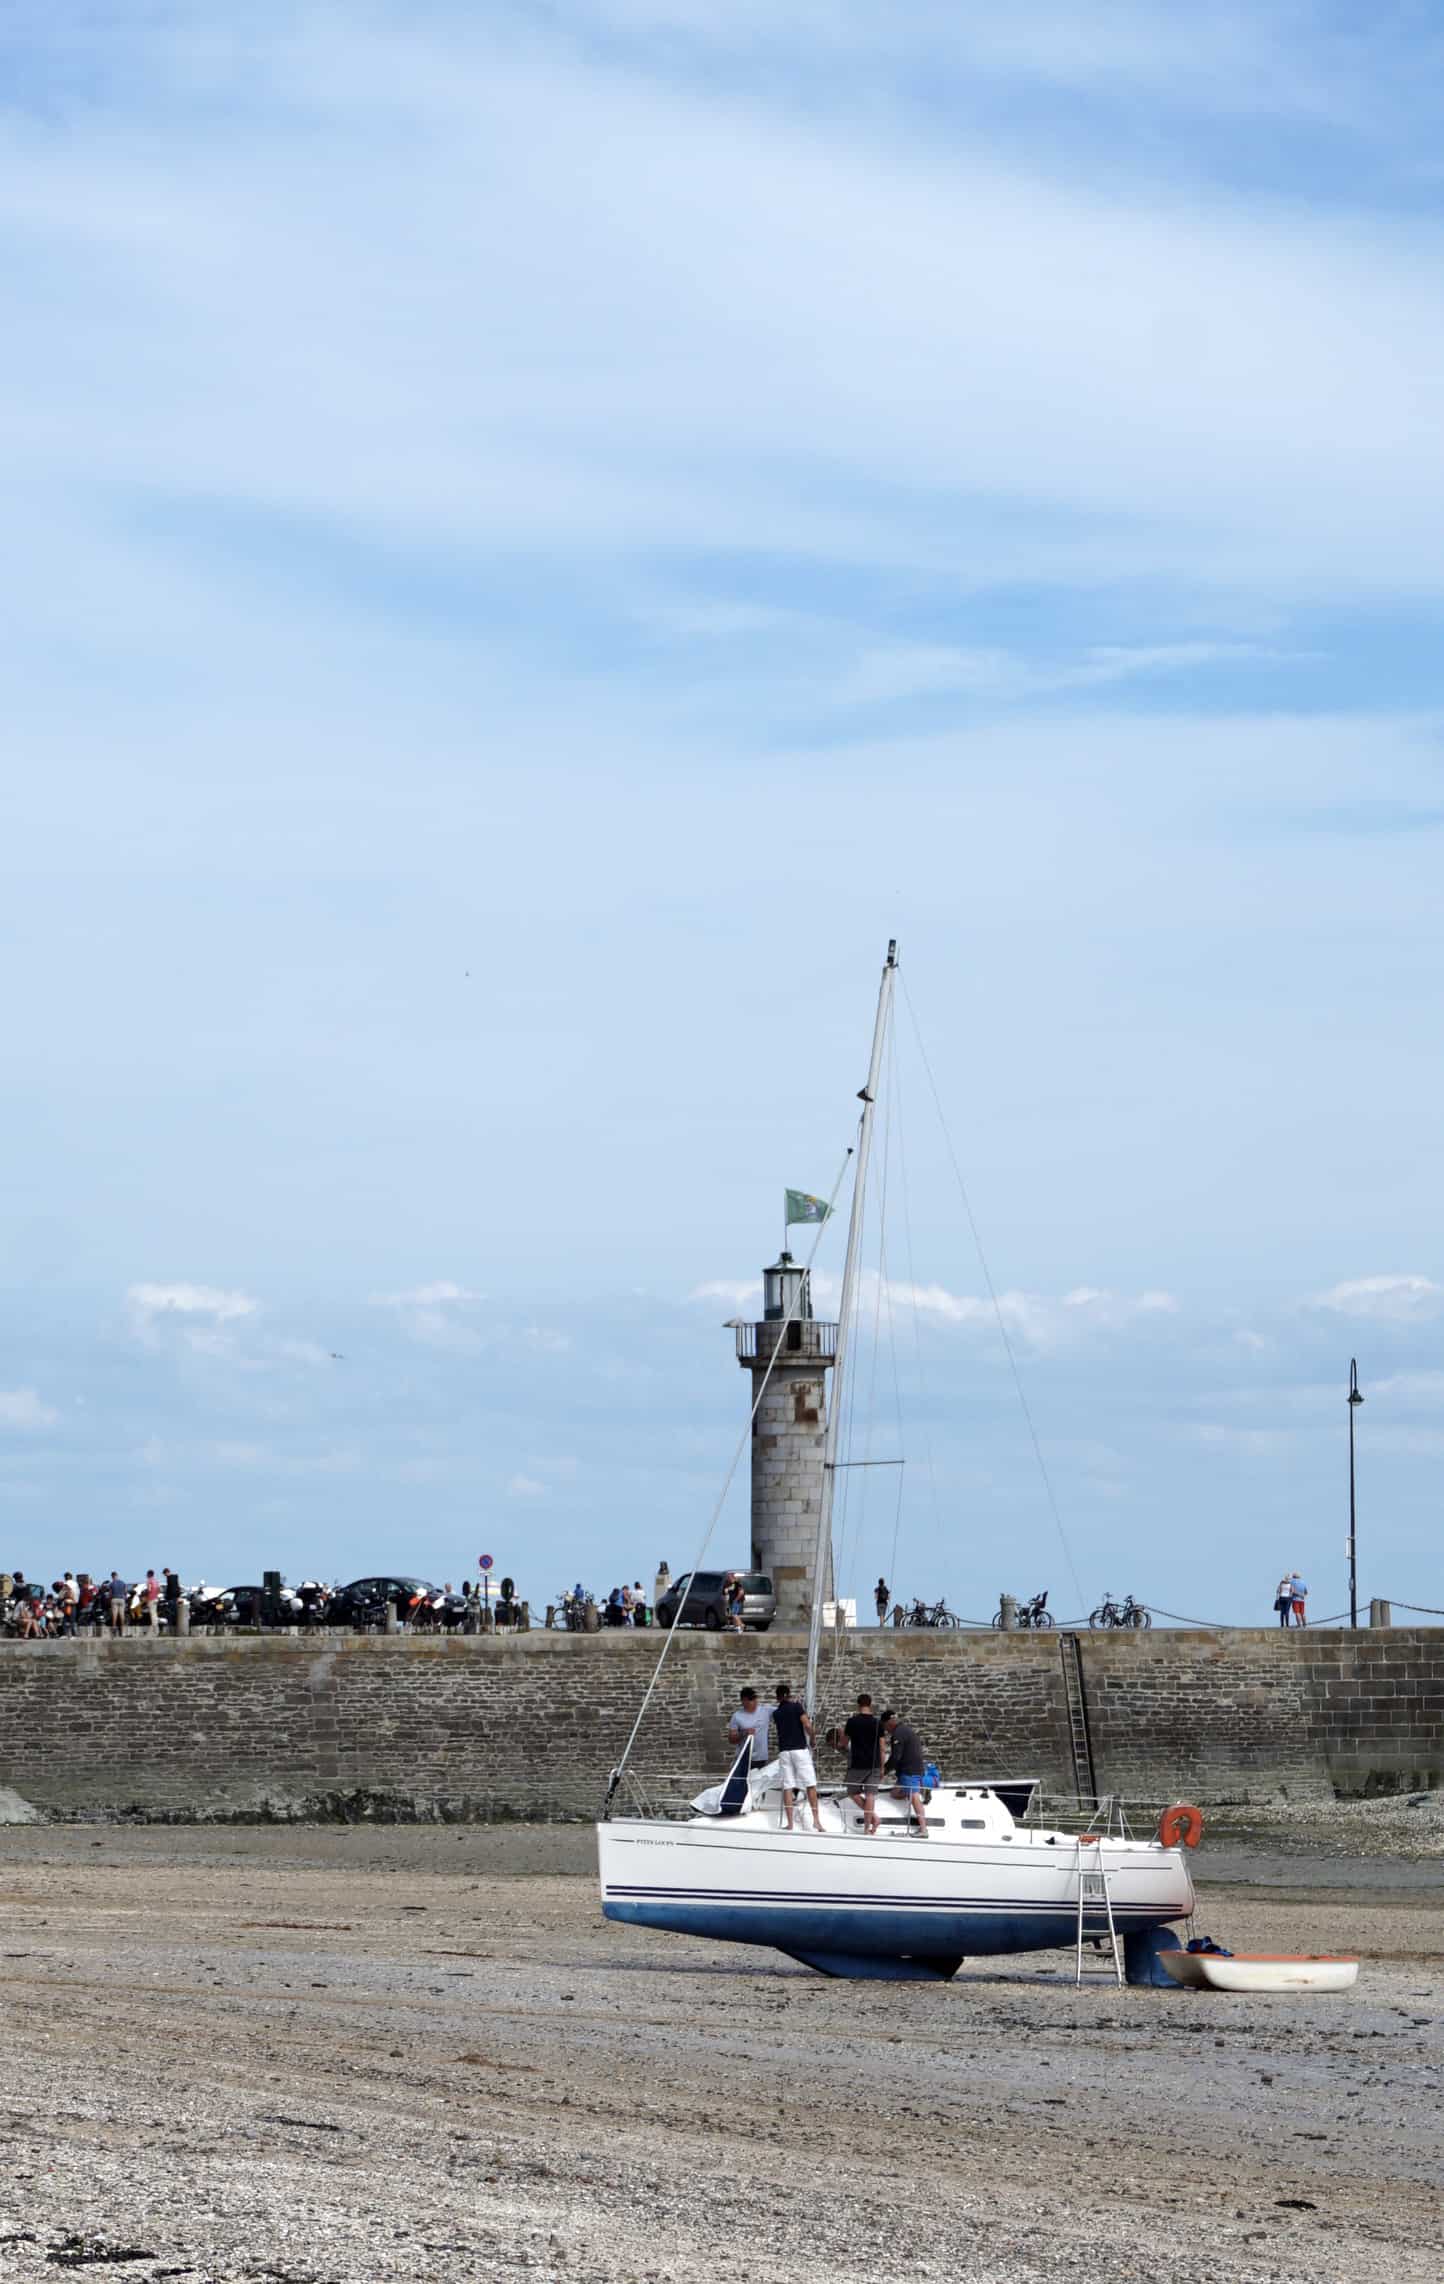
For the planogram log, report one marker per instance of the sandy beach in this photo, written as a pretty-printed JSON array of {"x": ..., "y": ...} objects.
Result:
[{"x": 323, "y": 2056}]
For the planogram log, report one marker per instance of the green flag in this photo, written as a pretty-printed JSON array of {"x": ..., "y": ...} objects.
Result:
[{"x": 801, "y": 1207}]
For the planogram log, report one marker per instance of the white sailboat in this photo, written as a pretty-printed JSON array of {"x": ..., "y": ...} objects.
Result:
[{"x": 898, "y": 1903}]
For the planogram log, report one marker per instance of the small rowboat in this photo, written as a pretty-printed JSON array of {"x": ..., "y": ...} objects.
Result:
[{"x": 1258, "y": 1971}]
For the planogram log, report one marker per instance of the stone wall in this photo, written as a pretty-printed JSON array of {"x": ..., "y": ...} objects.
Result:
[{"x": 530, "y": 1726}]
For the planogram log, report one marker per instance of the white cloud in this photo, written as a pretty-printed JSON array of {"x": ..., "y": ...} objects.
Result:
[
  {"x": 1254, "y": 1443},
  {"x": 198, "y": 1310},
  {"x": 1423, "y": 1388},
  {"x": 1043, "y": 1320},
  {"x": 434, "y": 1314},
  {"x": 239, "y": 1454},
  {"x": 525, "y": 1487},
  {"x": 1394, "y": 1299},
  {"x": 737, "y": 1293},
  {"x": 546, "y": 1341},
  {"x": 22, "y": 1409},
  {"x": 1256, "y": 1343},
  {"x": 442, "y": 1292}
]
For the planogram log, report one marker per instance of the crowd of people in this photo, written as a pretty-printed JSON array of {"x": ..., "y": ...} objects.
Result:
[
  {"x": 79, "y": 1603},
  {"x": 883, "y": 1752}
]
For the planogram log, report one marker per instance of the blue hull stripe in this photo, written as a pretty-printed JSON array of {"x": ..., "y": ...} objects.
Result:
[{"x": 872, "y": 1930}]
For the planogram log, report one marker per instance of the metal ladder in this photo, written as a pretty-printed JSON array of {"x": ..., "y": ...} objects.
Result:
[
  {"x": 1080, "y": 1744},
  {"x": 1093, "y": 1890}
]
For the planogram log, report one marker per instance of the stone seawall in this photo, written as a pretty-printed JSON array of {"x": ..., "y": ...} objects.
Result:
[{"x": 529, "y": 1726}]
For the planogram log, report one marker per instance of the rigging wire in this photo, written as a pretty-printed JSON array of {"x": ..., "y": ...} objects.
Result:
[
  {"x": 993, "y": 1297},
  {"x": 896, "y": 1083},
  {"x": 742, "y": 1442}
]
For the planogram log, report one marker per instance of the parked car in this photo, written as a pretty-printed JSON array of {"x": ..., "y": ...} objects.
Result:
[
  {"x": 242, "y": 1606},
  {"x": 703, "y": 1598},
  {"x": 364, "y": 1601}
]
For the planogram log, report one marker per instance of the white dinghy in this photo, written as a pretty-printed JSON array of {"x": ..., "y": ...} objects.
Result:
[{"x": 1258, "y": 1971}]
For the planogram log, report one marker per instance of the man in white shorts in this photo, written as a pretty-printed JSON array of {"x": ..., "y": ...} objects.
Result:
[{"x": 794, "y": 1753}]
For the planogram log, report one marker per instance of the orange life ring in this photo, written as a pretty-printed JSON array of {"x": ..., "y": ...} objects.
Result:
[{"x": 1181, "y": 1826}]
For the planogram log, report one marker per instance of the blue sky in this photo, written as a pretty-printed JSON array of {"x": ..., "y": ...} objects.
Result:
[{"x": 537, "y": 539}]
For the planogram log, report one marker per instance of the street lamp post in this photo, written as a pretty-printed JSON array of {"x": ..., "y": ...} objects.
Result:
[{"x": 1355, "y": 1399}]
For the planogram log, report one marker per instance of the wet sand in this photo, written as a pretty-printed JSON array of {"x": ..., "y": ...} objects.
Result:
[{"x": 327, "y": 2055}]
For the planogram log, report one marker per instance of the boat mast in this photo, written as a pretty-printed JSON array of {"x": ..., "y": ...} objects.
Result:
[{"x": 820, "y": 1559}]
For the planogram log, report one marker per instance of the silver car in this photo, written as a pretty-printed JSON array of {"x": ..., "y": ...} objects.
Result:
[{"x": 703, "y": 1597}]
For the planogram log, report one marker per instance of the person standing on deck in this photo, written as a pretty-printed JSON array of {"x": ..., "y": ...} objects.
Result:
[
  {"x": 1300, "y": 1595},
  {"x": 749, "y": 1719},
  {"x": 905, "y": 1767},
  {"x": 864, "y": 1759},
  {"x": 794, "y": 1752}
]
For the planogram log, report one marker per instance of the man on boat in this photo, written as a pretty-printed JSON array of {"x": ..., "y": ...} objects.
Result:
[
  {"x": 794, "y": 1753},
  {"x": 905, "y": 1766},
  {"x": 749, "y": 1719},
  {"x": 864, "y": 1759}
]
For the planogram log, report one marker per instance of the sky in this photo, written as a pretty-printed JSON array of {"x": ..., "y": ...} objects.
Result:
[{"x": 538, "y": 537}]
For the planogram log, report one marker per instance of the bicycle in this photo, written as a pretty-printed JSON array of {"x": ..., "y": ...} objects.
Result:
[
  {"x": 920, "y": 1613},
  {"x": 1035, "y": 1615},
  {"x": 1127, "y": 1613}
]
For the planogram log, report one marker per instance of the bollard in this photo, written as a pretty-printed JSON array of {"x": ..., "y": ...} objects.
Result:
[
  {"x": 1008, "y": 1613},
  {"x": 182, "y": 1616},
  {"x": 393, "y": 1623},
  {"x": 523, "y": 1617},
  {"x": 591, "y": 1618},
  {"x": 1380, "y": 1613},
  {"x": 551, "y": 1617}
]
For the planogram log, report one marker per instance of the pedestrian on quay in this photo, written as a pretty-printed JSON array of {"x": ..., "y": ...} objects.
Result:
[
  {"x": 1284, "y": 1598},
  {"x": 736, "y": 1604},
  {"x": 749, "y": 1719},
  {"x": 794, "y": 1753},
  {"x": 152, "y": 1601},
  {"x": 882, "y": 1595},
  {"x": 118, "y": 1591},
  {"x": 905, "y": 1767},
  {"x": 863, "y": 1732},
  {"x": 1299, "y": 1595}
]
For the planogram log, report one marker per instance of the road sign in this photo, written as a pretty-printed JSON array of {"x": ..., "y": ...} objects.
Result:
[{"x": 486, "y": 1562}]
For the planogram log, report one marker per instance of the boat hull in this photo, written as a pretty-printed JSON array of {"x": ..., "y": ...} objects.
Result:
[{"x": 875, "y": 1906}]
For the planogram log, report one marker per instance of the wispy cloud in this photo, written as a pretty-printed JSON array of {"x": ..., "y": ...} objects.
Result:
[
  {"x": 1398, "y": 1298},
  {"x": 23, "y": 1410},
  {"x": 199, "y": 1314},
  {"x": 435, "y": 1314},
  {"x": 525, "y": 1487}
]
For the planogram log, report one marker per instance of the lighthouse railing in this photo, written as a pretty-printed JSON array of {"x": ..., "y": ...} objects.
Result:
[{"x": 805, "y": 1337}]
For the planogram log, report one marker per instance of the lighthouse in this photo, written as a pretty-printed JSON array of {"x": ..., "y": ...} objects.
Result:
[{"x": 789, "y": 1425}]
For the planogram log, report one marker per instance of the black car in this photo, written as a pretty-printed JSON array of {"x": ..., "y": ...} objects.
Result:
[
  {"x": 703, "y": 1595},
  {"x": 364, "y": 1602}
]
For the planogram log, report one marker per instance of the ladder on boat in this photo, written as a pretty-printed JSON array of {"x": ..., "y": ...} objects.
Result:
[{"x": 1095, "y": 1896}]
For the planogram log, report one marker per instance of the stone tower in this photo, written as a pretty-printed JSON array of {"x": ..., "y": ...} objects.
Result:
[{"x": 787, "y": 1434}]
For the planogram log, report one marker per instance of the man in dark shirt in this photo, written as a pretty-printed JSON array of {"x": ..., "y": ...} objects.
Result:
[
  {"x": 794, "y": 1753},
  {"x": 905, "y": 1767},
  {"x": 864, "y": 1758}
]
